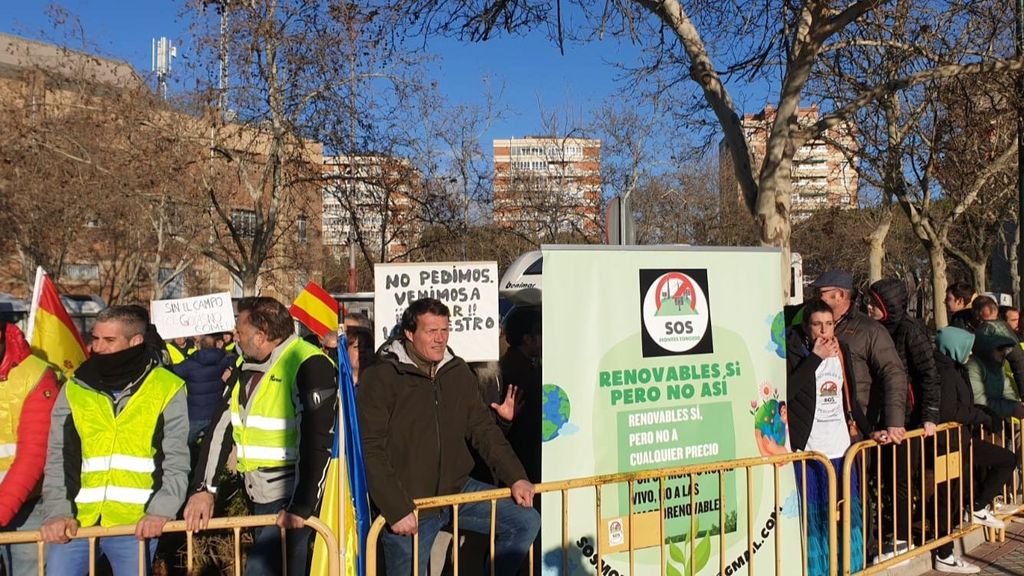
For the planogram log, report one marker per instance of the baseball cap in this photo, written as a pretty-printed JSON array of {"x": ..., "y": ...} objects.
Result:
[{"x": 834, "y": 278}]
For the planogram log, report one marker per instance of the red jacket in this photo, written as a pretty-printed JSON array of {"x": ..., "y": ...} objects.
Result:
[{"x": 26, "y": 472}]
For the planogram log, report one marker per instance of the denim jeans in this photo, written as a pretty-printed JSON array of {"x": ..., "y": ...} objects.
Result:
[
  {"x": 515, "y": 526},
  {"x": 264, "y": 556},
  {"x": 21, "y": 559},
  {"x": 72, "y": 559}
]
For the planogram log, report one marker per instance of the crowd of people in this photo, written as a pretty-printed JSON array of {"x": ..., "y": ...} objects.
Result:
[
  {"x": 877, "y": 373},
  {"x": 146, "y": 431}
]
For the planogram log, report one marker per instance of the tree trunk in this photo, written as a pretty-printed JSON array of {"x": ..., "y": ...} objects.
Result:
[
  {"x": 1013, "y": 258},
  {"x": 937, "y": 260},
  {"x": 979, "y": 271},
  {"x": 249, "y": 280},
  {"x": 876, "y": 246}
]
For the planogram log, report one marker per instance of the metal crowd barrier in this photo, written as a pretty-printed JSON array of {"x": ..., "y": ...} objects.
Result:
[
  {"x": 596, "y": 483},
  {"x": 940, "y": 479},
  {"x": 235, "y": 524}
]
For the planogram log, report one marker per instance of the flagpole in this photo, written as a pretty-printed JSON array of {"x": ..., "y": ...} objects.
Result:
[
  {"x": 345, "y": 497},
  {"x": 37, "y": 291}
]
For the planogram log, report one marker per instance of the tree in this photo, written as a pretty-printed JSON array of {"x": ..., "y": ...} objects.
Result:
[{"x": 711, "y": 43}]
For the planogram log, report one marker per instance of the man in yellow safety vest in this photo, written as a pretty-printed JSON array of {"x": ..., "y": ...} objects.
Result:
[
  {"x": 28, "y": 389},
  {"x": 280, "y": 416},
  {"x": 118, "y": 452}
]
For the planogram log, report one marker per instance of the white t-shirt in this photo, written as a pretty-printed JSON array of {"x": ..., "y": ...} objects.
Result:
[{"x": 829, "y": 432}]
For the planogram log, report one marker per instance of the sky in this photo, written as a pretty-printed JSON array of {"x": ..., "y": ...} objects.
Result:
[{"x": 530, "y": 69}]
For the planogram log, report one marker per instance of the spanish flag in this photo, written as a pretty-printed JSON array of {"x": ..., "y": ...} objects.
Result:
[
  {"x": 315, "y": 308},
  {"x": 51, "y": 332},
  {"x": 346, "y": 504}
]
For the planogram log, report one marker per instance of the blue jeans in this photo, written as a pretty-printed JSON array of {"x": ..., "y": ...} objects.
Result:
[
  {"x": 121, "y": 551},
  {"x": 264, "y": 556},
  {"x": 21, "y": 559},
  {"x": 516, "y": 529}
]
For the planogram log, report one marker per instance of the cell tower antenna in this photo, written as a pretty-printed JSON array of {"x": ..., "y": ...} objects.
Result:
[{"x": 163, "y": 53}]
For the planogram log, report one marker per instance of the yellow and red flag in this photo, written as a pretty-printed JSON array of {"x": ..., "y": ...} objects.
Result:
[
  {"x": 51, "y": 333},
  {"x": 315, "y": 308}
]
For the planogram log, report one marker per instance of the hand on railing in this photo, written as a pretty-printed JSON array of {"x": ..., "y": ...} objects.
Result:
[
  {"x": 290, "y": 521},
  {"x": 151, "y": 526},
  {"x": 406, "y": 526},
  {"x": 58, "y": 530},
  {"x": 929, "y": 429},
  {"x": 198, "y": 511},
  {"x": 523, "y": 492}
]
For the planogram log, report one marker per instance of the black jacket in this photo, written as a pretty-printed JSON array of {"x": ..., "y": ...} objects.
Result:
[
  {"x": 415, "y": 427},
  {"x": 914, "y": 348},
  {"x": 801, "y": 392}
]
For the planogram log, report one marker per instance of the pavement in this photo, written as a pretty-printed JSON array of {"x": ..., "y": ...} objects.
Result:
[{"x": 998, "y": 558}]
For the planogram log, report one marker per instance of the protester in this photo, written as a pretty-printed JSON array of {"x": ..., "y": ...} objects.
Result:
[
  {"x": 823, "y": 416},
  {"x": 992, "y": 387},
  {"x": 959, "y": 296},
  {"x": 993, "y": 465},
  {"x": 521, "y": 378},
  {"x": 359, "y": 334},
  {"x": 205, "y": 373},
  {"x": 881, "y": 381},
  {"x": 28, "y": 390},
  {"x": 117, "y": 450},
  {"x": 418, "y": 405},
  {"x": 1011, "y": 316},
  {"x": 983, "y": 309},
  {"x": 180, "y": 348},
  {"x": 887, "y": 304},
  {"x": 280, "y": 417}
]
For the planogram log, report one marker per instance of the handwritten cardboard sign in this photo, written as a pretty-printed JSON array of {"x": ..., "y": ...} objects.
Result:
[{"x": 193, "y": 316}]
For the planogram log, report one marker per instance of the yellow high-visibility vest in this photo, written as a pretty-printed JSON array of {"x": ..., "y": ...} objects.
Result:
[
  {"x": 21, "y": 380},
  {"x": 118, "y": 456},
  {"x": 265, "y": 432}
]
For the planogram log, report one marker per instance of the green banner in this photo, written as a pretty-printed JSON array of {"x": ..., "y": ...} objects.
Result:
[{"x": 655, "y": 358}]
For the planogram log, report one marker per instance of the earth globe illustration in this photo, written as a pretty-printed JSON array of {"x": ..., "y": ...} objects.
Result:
[{"x": 556, "y": 411}]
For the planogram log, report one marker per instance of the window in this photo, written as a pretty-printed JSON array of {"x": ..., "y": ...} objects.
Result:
[
  {"x": 82, "y": 272},
  {"x": 244, "y": 222},
  {"x": 174, "y": 284},
  {"x": 301, "y": 224}
]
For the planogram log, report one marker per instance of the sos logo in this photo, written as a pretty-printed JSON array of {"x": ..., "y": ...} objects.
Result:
[{"x": 676, "y": 312}]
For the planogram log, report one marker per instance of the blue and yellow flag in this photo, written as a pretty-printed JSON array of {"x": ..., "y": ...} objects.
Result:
[{"x": 346, "y": 501}]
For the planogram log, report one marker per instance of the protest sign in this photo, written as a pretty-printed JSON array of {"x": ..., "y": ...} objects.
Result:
[
  {"x": 470, "y": 289},
  {"x": 182, "y": 317},
  {"x": 658, "y": 358}
]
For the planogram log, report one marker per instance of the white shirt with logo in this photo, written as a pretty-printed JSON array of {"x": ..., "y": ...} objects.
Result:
[{"x": 829, "y": 432}]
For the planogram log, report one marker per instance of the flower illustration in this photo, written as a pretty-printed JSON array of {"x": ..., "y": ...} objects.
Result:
[
  {"x": 766, "y": 391},
  {"x": 753, "y": 404}
]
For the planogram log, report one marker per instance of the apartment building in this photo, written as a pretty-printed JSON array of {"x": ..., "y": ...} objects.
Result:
[
  {"x": 547, "y": 186},
  {"x": 367, "y": 199},
  {"x": 822, "y": 173}
]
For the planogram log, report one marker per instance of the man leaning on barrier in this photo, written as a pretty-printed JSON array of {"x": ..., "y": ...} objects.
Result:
[
  {"x": 280, "y": 416},
  {"x": 117, "y": 451},
  {"x": 418, "y": 405}
]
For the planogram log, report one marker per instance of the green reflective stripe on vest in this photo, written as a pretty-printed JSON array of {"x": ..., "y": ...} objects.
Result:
[
  {"x": 118, "y": 456},
  {"x": 21, "y": 380},
  {"x": 265, "y": 433}
]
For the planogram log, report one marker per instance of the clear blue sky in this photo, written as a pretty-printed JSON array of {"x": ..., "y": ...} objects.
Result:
[{"x": 531, "y": 69}]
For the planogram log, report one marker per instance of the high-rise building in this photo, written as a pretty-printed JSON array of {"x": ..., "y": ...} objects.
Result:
[
  {"x": 822, "y": 173},
  {"x": 547, "y": 186},
  {"x": 366, "y": 199}
]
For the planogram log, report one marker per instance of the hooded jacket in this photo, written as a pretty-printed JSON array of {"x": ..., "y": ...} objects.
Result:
[
  {"x": 954, "y": 348},
  {"x": 990, "y": 384},
  {"x": 26, "y": 472},
  {"x": 415, "y": 427},
  {"x": 914, "y": 348},
  {"x": 801, "y": 392}
]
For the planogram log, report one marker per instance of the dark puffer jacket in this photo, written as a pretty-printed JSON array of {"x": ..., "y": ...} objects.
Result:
[
  {"x": 203, "y": 374},
  {"x": 415, "y": 428},
  {"x": 915, "y": 350}
]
